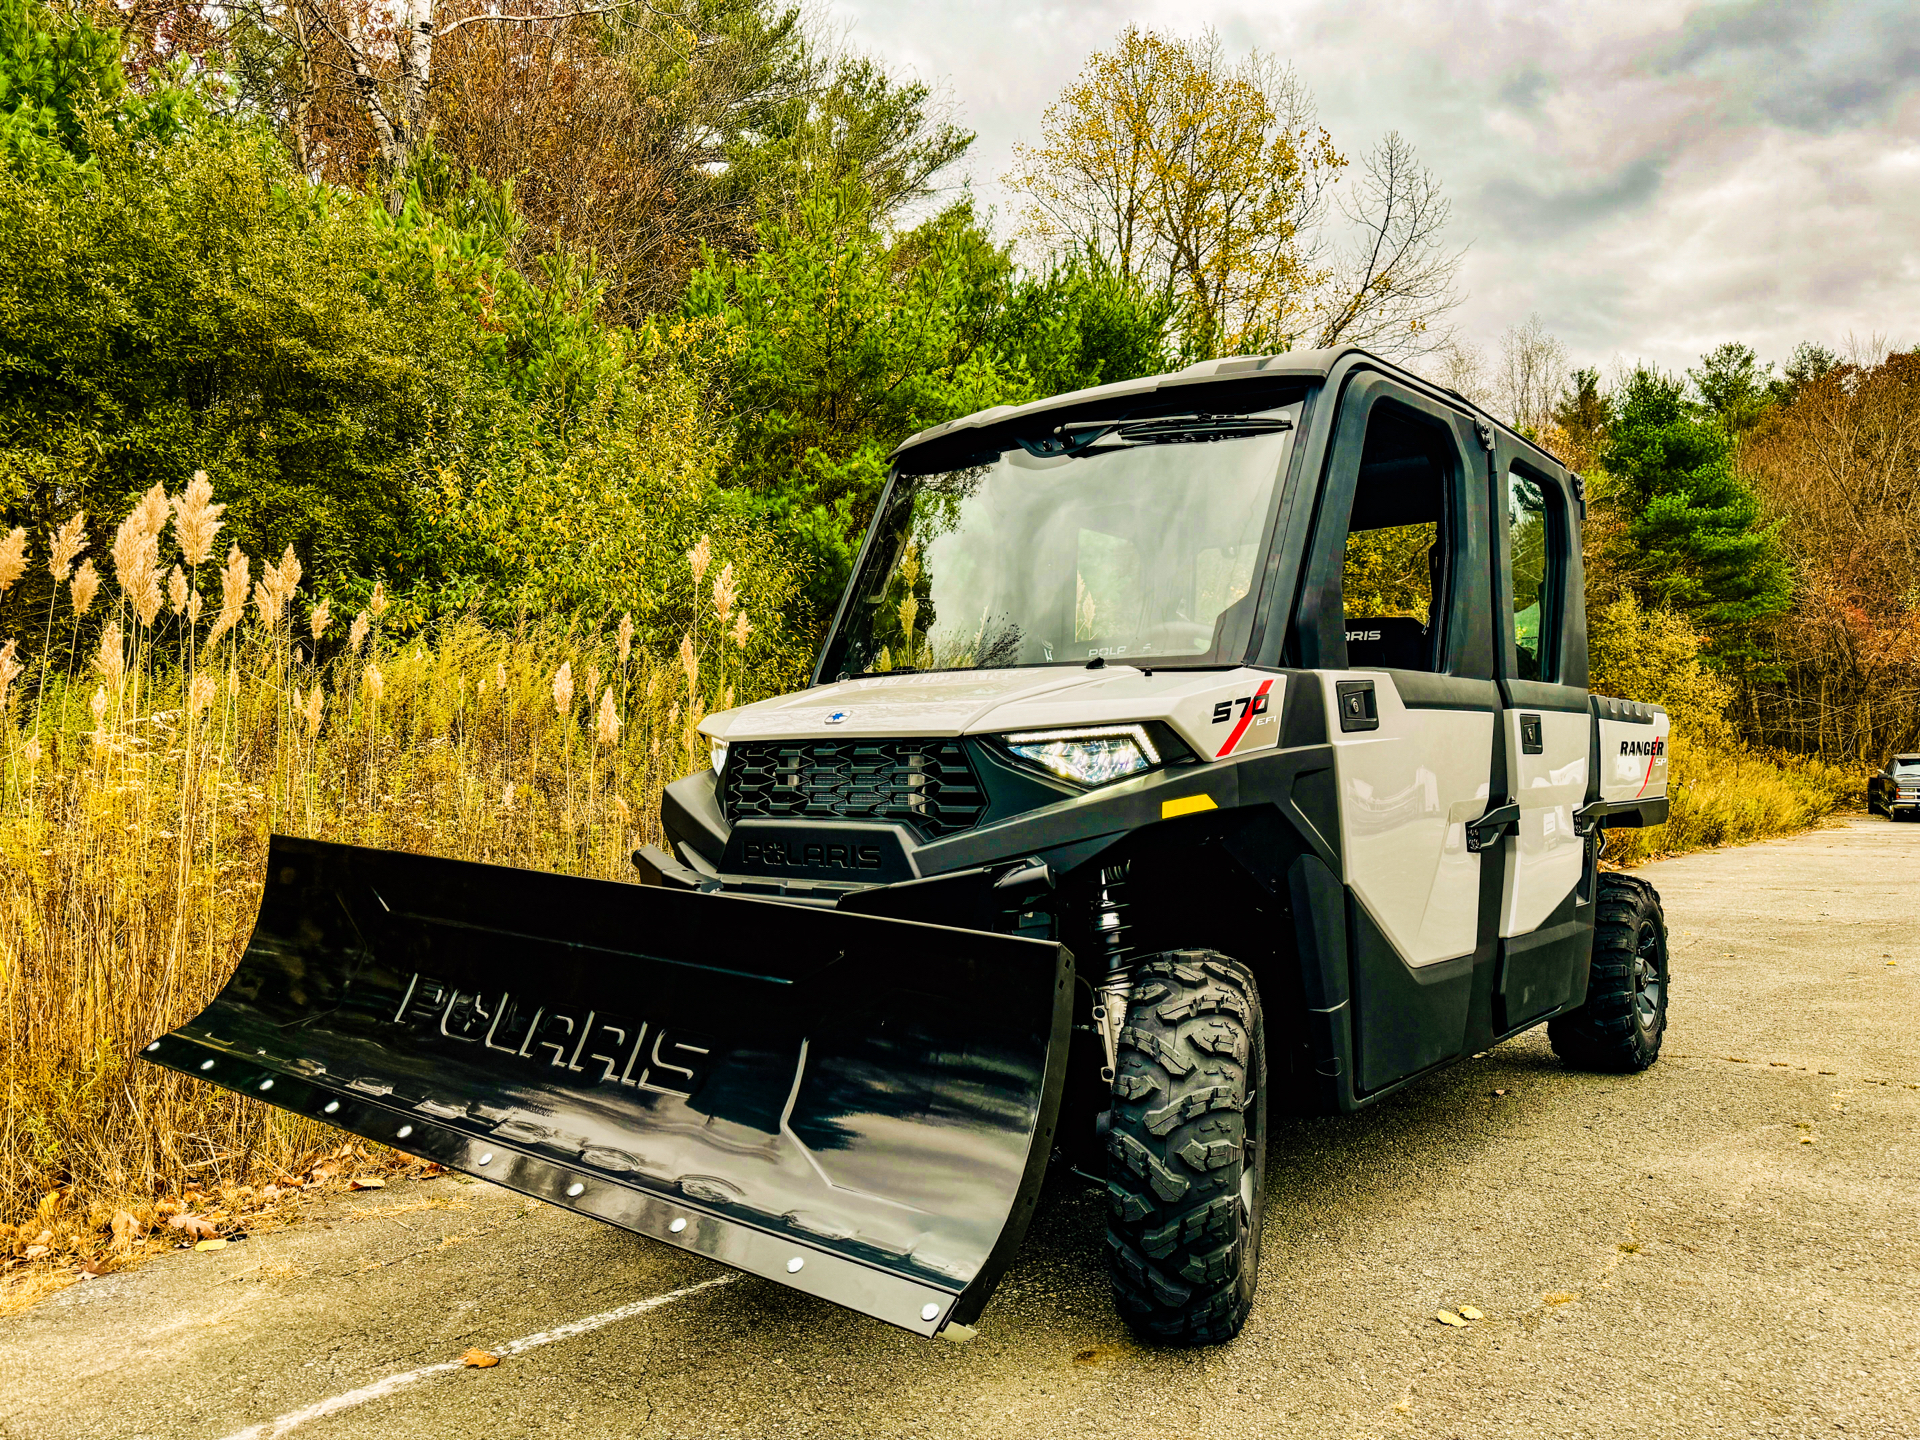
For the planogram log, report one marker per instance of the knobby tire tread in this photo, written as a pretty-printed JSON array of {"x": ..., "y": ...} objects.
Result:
[
  {"x": 1604, "y": 1034},
  {"x": 1182, "y": 1246}
]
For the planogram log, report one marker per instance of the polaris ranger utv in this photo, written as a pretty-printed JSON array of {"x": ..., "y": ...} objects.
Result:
[{"x": 1184, "y": 751}]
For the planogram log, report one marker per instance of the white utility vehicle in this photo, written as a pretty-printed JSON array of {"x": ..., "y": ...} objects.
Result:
[{"x": 1183, "y": 751}]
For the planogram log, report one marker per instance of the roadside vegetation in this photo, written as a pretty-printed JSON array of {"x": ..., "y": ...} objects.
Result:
[{"x": 407, "y": 464}]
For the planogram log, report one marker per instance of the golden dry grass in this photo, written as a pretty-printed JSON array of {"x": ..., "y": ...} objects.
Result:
[
  {"x": 137, "y": 793},
  {"x": 1729, "y": 795}
]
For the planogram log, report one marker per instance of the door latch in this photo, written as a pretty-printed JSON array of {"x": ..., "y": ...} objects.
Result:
[
  {"x": 1355, "y": 701},
  {"x": 1531, "y": 735},
  {"x": 1491, "y": 827}
]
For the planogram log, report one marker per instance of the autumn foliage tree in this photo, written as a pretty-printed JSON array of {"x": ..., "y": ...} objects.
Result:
[
  {"x": 1838, "y": 467},
  {"x": 1212, "y": 180}
]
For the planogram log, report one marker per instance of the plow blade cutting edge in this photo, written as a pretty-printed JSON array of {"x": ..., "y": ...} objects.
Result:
[{"x": 859, "y": 1108}]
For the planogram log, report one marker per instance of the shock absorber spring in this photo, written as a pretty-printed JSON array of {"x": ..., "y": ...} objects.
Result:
[{"x": 1112, "y": 925}]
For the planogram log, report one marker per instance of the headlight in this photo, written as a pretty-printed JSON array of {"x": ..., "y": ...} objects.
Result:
[
  {"x": 1088, "y": 755},
  {"x": 718, "y": 750}
]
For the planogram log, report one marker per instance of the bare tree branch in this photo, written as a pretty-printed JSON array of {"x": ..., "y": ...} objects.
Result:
[
  {"x": 447, "y": 30},
  {"x": 1393, "y": 287}
]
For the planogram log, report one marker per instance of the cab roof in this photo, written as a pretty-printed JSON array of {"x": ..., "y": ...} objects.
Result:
[{"x": 1245, "y": 381}]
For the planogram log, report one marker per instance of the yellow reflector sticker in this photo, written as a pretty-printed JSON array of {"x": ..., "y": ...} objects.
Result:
[{"x": 1186, "y": 806}]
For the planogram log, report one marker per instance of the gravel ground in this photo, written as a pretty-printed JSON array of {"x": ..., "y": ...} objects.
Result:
[{"x": 1655, "y": 1255}]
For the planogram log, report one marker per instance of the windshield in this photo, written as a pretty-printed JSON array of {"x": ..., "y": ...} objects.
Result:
[{"x": 1137, "y": 544}]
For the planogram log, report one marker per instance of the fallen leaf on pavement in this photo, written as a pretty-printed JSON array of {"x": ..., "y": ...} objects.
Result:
[
  {"x": 199, "y": 1227},
  {"x": 478, "y": 1357},
  {"x": 1448, "y": 1318},
  {"x": 1560, "y": 1298},
  {"x": 94, "y": 1270},
  {"x": 366, "y": 1183},
  {"x": 216, "y": 1244},
  {"x": 1807, "y": 1140},
  {"x": 1470, "y": 1313}
]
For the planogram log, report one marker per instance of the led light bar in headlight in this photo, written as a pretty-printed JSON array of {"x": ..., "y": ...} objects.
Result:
[
  {"x": 1088, "y": 755},
  {"x": 718, "y": 751}
]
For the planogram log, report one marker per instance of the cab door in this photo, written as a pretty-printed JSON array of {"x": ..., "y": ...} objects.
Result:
[
  {"x": 1546, "y": 916},
  {"x": 1394, "y": 615}
]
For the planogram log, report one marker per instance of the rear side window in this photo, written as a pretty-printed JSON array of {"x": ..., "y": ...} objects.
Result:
[
  {"x": 1537, "y": 552},
  {"x": 1394, "y": 561}
]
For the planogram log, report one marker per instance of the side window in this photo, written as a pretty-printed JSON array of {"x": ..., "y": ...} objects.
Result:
[
  {"x": 1394, "y": 565},
  {"x": 1537, "y": 546}
]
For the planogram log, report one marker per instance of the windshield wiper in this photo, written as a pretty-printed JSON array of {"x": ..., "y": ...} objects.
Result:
[{"x": 1168, "y": 430}]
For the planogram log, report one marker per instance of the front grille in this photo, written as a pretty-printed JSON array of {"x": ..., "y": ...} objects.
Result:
[{"x": 927, "y": 784}]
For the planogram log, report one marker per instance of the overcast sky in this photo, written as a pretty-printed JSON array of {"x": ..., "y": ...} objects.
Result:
[{"x": 1652, "y": 178}]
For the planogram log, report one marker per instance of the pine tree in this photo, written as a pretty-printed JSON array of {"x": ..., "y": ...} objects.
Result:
[{"x": 1695, "y": 539}]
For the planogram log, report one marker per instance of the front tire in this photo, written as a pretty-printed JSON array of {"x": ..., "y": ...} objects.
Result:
[
  {"x": 1187, "y": 1150},
  {"x": 1620, "y": 1026}
]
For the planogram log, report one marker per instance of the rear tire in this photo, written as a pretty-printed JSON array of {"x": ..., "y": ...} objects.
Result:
[
  {"x": 1620, "y": 1026},
  {"x": 1187, "y": 1150}
]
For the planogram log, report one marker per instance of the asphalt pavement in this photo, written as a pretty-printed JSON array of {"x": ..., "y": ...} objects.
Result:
[{"x": 1724, "y": 1245}]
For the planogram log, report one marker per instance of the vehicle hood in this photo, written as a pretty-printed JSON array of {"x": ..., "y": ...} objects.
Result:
[
  {"x": 941, "y": 703},
  {"x": 1218, "y": 712}
]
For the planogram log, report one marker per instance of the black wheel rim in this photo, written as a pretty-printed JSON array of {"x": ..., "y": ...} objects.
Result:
[{"x": 1648, "y": 979}]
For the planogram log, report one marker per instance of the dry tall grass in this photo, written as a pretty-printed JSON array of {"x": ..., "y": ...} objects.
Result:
[
  {"x": 1728, "y": 795},
  {"x": 138, "y": 786}
]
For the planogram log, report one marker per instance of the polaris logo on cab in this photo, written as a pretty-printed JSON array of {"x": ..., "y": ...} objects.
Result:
[{"x": 1644, "y": 748}]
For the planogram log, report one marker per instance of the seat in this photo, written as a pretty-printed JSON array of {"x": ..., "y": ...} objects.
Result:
[{"x": 1386, "y": 642}]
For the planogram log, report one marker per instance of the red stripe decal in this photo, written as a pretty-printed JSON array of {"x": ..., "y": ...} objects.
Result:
[
  {"x": 1652, "y": 756},
  {"x": 1246, "y": 716}
]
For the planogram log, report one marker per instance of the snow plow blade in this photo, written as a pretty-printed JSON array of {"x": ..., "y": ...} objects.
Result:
[{"x": 856, "y": 1107}]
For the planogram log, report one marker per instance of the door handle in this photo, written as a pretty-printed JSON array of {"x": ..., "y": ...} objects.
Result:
[
  {"x": 1531, "y": 741},
  {"x": 1492, "y": 826},
  {"x": 1355, "y": 699}
]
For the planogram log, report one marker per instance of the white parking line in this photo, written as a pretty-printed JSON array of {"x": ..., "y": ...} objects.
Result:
[{"x": 387, "y": 1385}]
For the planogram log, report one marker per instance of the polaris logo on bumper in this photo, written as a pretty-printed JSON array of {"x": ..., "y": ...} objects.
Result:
[
  {"x": 824, "y": 851},
  {"x": 817, "y": 855}
]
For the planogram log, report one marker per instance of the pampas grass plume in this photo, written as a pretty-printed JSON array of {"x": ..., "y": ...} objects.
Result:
[
  {"x": 196, "y": 519},
  {"x": 86, "y": 585},
  {"x": 13, "y": 556},
  {"x": 68, "y": 542},
  {"x": 110, "y": 660},
  {"x": 233, "y": 593}
]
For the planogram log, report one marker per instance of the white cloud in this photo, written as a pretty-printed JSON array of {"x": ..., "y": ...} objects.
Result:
[{"x": 1652, "y": 178}]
